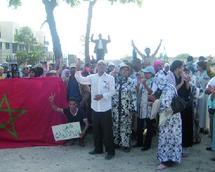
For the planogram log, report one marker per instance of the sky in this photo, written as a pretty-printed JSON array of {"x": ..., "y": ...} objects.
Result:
[{"x": 185, "y": 26}]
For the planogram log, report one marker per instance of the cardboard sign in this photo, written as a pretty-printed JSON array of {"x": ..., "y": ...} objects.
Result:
[{"x": 66, "y": 131}]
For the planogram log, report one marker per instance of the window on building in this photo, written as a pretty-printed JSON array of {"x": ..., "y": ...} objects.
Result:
[
  {"x": 7, "y": 45},
  {"x": 14, "y": 47}
]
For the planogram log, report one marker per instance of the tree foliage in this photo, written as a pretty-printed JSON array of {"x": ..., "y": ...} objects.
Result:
[
  {"x": 25, "y": 36},
  {"x": 50, "y": 6},
  {"x": 33, "y": 51},
  {"x": 14, "y": 3}
]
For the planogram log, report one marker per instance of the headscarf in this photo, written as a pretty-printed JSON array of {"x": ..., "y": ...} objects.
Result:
[
  {"x": 63, "y": 74},
  {"x": 170, "y": 79},
  {"x": 156, "y": 65}
]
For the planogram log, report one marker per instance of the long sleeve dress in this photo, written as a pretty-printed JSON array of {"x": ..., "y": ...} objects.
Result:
[
  {"x": 124, "y": 103},
  {"x": 170, "y": 133}
]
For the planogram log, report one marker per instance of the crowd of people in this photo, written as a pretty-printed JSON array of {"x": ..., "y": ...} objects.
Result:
[{"x": 130, "y": 103}]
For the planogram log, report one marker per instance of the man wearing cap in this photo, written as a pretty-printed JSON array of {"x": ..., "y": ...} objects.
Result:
[{"x": 102, "y": 90}]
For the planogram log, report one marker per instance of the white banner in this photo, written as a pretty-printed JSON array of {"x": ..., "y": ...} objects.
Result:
[{"x": 66, "y": 131}]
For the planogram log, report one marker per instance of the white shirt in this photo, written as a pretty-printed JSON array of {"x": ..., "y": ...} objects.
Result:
[
  {"x": 104, "y": 85},
  {"x": 211, "y": 83},
  {"x": 100, "y": 45}
]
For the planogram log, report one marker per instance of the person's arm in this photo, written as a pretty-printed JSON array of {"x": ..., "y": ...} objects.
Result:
[
  {"x": 85, "y": 94},
  {"x": 146, "y": 87},
  {"x": 53, "y": 105},
  {"x": 82, "y": 80},
  {"x": 180, "y": 85},
  {"x": 92, "y": 39},
  {"x": 156, "y": 51},
  {"x": 109, "y": 40},
  {"x": 83, "y": 133},
  {"x": 137, "y": 50}
]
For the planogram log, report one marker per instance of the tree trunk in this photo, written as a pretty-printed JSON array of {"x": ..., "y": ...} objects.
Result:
[
  {"x": 49, "y": 7},
  {"x": 87, "y": 35}
]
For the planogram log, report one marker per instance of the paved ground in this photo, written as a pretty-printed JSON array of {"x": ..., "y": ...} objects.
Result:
[{"x": 76, "y": 159}]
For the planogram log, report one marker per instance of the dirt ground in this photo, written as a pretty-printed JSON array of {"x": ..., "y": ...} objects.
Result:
[{"x": 76, "y": 159}]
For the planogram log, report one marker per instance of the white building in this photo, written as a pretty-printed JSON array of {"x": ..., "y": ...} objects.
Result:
[{"x": 8, "y": 46}]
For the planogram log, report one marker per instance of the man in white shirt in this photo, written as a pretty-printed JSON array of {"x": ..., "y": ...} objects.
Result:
[
  {"x": 100, "y": 46},
  {"x": 102, "y": 90}
]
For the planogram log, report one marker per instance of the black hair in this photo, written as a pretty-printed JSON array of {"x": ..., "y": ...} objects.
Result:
[
  {"x": 202, "y": 64},
  {"x": 73, "y": 99},
  {"x": 176, "y": 64},
  {"x": 190, "y": 58},
  {"x": 38, "y": 71}
]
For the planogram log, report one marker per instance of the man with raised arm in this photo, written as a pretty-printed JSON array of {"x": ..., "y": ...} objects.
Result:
[
  {"x": 100, "y": 46},
  {"x": 147, "y": 57},
  {"x": 102, "y": 90}
]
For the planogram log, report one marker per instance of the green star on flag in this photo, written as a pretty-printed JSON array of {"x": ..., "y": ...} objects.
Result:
[{"x": 13, "y": 114}]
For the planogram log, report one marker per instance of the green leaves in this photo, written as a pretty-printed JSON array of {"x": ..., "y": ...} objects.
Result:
[
  {"x": 72, "y": 2},
  {"x": 15, "y": 3},
  {"x": 138, "y": 2},
  {"x": 33, "y": 52}
]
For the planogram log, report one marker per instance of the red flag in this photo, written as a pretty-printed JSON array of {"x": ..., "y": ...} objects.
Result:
[{"x": 26, "y": 116}]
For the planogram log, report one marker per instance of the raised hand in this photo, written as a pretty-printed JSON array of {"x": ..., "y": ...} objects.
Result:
[
  {"x": 78, "y": 65},
  {"x": 51, "y": 97}
]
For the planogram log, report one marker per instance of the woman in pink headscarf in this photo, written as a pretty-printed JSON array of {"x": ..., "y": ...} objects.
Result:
[{"x": 158, "y": 65}]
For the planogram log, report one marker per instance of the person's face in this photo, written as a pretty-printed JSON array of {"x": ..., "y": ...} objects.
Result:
[
  {"x": 137, "y": 66},
  {"x": 100, "y": 36},
  {"x": 67, "y": 74},
  {"x": 101, "y": 68},
  {"x": 111, "y": 68},
  {"x": 180, "y": 70},
  {"x": 199, "y": 68},
  {"x": 1, "y": 71},
  {"x": 124, "y": 71},
  {"x": 166, "y": 68},
  {"x": 72, "y": 71},
  {"x": 72, "y": 105},
  {"x": 147, "y": 75},
  {"x": 26, "y": 71},
  {"x": 147, "y": 51},
  {"x": 32, "y": 74}
]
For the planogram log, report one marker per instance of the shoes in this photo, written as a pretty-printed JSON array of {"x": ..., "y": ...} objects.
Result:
[
  {"x": 144, "y": 148},
  {"x": 212, "y": 159},
  {"x": 109, "y": 156},
  {"x": 126, "y": 149},
  {"x": 209, "y": 149},
  {"x": 81, "y": 143},
  {"x": 116, "y": 146},
  {"x": 94, "y": 152},
  {"x": 161, "y": 167},
  {"x": 206, "y": 132},
  {"x": 69, "y": 143},
  {"x": 136, "y": 145}
]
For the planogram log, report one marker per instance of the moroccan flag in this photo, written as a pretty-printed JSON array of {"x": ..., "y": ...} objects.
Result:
[{"x": 26, "y": 116}]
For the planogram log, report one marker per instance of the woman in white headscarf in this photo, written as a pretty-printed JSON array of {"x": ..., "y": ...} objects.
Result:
[
  {"x": 65, "y": 76},
  {"x": 170, "y": 130},
  {"x": 123, "y": 104}
]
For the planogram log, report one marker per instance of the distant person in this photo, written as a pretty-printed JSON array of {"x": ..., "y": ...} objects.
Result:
[
  {"x": 147, "y": 57},
  {"x": 190, "y": 64},
  {"x": 2, "y": 73},
  {"x": 100, "y": 47}
]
